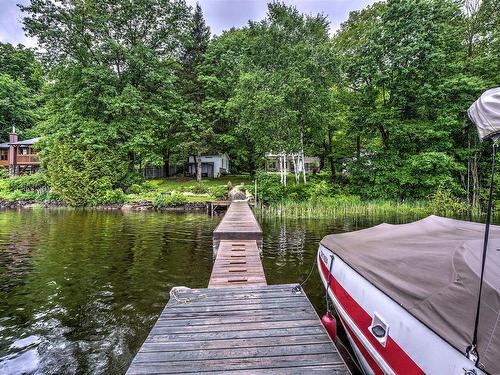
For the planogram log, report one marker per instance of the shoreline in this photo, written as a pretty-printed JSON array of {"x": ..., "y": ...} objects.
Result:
[{"x": 136, "y": 206}]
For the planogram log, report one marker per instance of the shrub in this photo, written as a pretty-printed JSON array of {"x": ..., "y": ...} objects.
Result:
[
  {"x": 48, "y": 196},
  {"x": 135, "y": 189},
  {"x": 444, "y": 203},
  {"x": 164, "y": 200},
  {"x": 297, "y": 192},
  {"x": 269, "y": 188},
  {"x": 4, "y": 173},
  {"x": 18, "y": 195},
  {"x": 83, "y": 175},
  {"x": 320, "y": 189},
  {"x": 219, "y": 192},
  {"x": 199, "y": 188},
  {"x": 32, "y": 182},
  {"x": 113, "y": 197},
  {"x": 148, "y": 186}
]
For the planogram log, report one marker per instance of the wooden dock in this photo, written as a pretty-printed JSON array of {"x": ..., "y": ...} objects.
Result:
[
  {"x": 239, "y": 324},
  {"x": 237, "y": 263},
  {"x": 243, "y": 330},
  {"x": 238, "y": 224}
]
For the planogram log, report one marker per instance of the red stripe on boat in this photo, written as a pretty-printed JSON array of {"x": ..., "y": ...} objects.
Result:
[
  {"x": 369, "y": 359},
  {"x": 392, "y": 353}
]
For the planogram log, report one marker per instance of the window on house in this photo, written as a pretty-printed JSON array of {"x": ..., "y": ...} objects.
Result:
[{"x": 4, "y": 154}]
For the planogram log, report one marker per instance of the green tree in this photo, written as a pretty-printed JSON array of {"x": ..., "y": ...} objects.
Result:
[
  {"x": 113, "y": 77},
  {"x": 220, "y": 72},
  {"x": 17, "y": 106},
  {"x": 20, "y": 83},
  {"x": 284, "y": 82},
  {"x": 20, "y": 64},
  {"x": 403, "y": 63},
  {"x": 196, "y": 138}
]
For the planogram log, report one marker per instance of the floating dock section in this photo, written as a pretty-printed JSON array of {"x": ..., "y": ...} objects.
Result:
[
  {"x": 237, "y": 244},
  {"x": 239, "y": 324}
]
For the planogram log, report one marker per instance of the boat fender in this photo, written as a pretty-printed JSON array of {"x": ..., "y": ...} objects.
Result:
[{"x": 330, "y": 324}]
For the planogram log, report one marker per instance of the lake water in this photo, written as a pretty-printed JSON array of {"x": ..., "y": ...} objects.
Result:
[{"x": 80, "y": 290}]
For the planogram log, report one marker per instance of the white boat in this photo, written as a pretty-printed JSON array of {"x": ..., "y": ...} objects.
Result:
[{"x": 407, "y": 295}]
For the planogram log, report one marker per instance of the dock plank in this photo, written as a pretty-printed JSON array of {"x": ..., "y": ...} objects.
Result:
[
  {"x": 252, "y": 330},
  {"x": 238, "y": 224},
  {"x": 237, "y": 263}
]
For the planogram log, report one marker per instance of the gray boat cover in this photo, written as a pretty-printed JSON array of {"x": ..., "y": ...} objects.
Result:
[
  {"x": 485, "y": 113},
  {"x": 432, "y": 269}
]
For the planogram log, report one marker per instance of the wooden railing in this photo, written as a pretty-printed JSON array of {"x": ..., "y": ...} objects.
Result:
[{"x": 28, "y": 159}]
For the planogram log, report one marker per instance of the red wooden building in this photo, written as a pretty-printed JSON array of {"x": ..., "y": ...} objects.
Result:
[{"x": 19, "y": 157}]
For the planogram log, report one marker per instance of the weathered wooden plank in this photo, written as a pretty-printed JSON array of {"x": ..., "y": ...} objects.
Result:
[
  {"x": 237, "y": 335},
  {"x": 242, "y": 307},
  {"x": 312, "y": 369},
  {"x": 192, "y": 315},
  {"x": 205, "y": 321},
  {"x": 238, "y": 224},
  {"x": 255, "y": 364},
  {"x": 247, "y": 270},
  {"x": 231, "y": 291},
  {"x": 238, "y": 353},
  {"x": 168, "y": 346},
  {"x": 239, "y": 327},
  {"x": 248, "y": 300}
]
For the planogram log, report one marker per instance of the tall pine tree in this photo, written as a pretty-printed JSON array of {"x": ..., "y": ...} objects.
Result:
[{"x": 197, "y": 136}]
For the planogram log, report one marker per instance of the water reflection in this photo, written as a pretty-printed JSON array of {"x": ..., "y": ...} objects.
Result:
[{"x": 80, "y": 290}]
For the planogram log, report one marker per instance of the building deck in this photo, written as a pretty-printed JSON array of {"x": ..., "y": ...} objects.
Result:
[{"x": 242, "y": 330}]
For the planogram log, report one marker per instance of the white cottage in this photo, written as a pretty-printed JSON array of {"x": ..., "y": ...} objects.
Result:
[{"x": 212, "y": 166}]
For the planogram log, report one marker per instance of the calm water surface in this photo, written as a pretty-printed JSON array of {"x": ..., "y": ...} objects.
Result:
[{"x": 80, "y": 290}]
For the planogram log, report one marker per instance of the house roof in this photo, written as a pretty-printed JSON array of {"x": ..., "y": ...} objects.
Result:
[
  {"x": 4, "y": 145},
  {"x": 26, "y": 142}
]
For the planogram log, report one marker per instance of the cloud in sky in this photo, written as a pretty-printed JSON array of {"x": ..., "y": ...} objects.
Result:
[{"x": 220, "y": 15}]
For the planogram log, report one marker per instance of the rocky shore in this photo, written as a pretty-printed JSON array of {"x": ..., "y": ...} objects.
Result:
[{"x": 135, "y": 206}]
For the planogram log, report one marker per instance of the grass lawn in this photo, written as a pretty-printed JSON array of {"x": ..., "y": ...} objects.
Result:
[
  {"x": 186, "y": 184},
  {"x": 194, "y": 191}
]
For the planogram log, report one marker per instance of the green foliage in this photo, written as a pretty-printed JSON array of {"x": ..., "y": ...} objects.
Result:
[
  {"x": 20, "y": 64},
  {"x": 4, "y": 173},
  {"x": 219, "y": 192},
  {"x": 320, "y": 189},
  {"x": 20, "y": 82},
  {"x": 17, "y": 106},
  {"x": 388, "y": 176},
  {"x": 200, "y": 188},
  {"x": 172, "y": 200},
  {"x": 116, "y": 196},
  {"x": 269, "y": 188},
  {"x": 28, "y": 183},
  {"x": 382, "y": 102},
  {"x": 345, "y": 205},
  {"x": 135, "y": 189},
  {"x": 39, "y": 197},
  {"x": 84, "y": 177},
  {"x": 444, "y": 203}
]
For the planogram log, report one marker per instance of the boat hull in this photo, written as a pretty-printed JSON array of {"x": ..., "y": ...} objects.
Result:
[{"x": 407, "y": 346}]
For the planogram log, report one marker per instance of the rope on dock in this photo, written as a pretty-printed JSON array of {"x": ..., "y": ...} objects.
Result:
[{"x": 176, "y": 298}]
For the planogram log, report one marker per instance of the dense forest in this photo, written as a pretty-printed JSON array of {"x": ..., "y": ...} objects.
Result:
[{"x": 116, "y": 86}]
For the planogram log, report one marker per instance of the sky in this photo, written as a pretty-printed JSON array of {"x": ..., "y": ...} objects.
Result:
[{"x": 220, "y": 15}]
